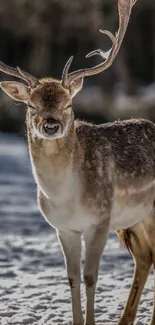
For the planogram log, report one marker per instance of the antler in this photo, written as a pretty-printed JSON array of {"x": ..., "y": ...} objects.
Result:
[
  {"x": 124, "y": 10},
  {"x": 17, "y": 72}
]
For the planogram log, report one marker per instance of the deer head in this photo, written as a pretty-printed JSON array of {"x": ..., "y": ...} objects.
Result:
[{"x": 49, "y": 101}]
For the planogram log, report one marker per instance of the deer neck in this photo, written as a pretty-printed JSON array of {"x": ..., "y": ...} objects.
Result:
[
  {"x": 54, "y": 163},
  {"x": 59, "y": 152}
]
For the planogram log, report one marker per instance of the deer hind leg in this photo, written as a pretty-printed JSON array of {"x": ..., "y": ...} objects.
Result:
[
  {"x": 149, "y": 224},
  {"x": 136, "y": 241}
]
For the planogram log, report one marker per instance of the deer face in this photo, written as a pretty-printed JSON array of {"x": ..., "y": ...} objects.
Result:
[
  {"x": 49, "y": 105},
  {"x": 50, "y": 110}
]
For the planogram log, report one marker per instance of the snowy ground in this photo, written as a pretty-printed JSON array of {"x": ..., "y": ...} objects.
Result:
[{"x": 33, "y": 284}]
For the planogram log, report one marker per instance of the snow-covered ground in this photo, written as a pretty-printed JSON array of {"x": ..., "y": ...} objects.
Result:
[{"x": 33, "y": 284}]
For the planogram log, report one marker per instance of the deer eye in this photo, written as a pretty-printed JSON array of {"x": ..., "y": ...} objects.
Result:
[
  {"x": 32, "y": 107},
  {"x": 68, "y": 106}
]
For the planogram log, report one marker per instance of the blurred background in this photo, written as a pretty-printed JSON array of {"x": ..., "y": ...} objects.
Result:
[{"x": 39, "y": 36}]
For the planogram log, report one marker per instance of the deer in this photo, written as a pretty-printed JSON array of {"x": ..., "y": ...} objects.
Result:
[{"x": 91, "y": 179}]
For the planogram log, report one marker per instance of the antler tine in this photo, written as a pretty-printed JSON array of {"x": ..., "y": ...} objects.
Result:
[
  {"x": 17, "y": 72},
  {"x": 65, "y": 71},
  {"x": 124, "y": 10},
  {"x": 133, "y": 3},
  {"x": 31, "y": 80}
]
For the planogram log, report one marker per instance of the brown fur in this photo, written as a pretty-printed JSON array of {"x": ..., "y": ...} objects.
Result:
[
  {"x": 127, "y": 236},
  {"x": 50, "y": 94}
]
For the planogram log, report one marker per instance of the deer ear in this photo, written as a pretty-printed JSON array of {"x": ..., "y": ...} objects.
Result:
[
  {"x": 16, "y": 90},
  {"x": 76, "y": 86}
]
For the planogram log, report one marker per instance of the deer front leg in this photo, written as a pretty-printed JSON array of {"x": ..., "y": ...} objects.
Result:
[
  {"x": 71, "y": 246},
  {"x": 95, "y": 238}
]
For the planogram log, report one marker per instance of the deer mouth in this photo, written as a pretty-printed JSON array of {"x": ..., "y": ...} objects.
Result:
[{"x": 51, "y": 129}]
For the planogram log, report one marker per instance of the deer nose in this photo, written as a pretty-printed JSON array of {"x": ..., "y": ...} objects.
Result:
[{"x": 51, "y": 127}]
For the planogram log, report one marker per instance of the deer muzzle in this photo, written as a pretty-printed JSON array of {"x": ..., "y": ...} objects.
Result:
[{"x": 51, "y": 127}]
